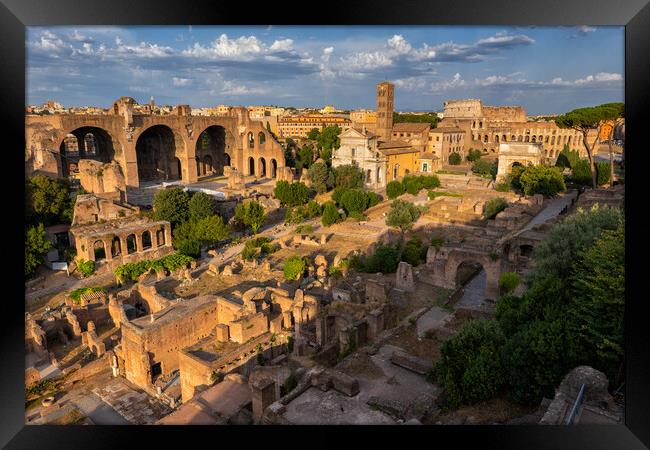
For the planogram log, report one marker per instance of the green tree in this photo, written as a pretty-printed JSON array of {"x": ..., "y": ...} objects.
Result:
[
  {"x": 454, "y": 158},
  {"x": 189, "y": 247},
  {"x": 402, "y": 215},
  {"x": 580, "y": 172},
  {"x": 348, "y": 176},
  {"x": 47, "y": 199},
  {"x": 328, "y": 139},
  {"x": 469, "y": 368},
  {"x": 430, "y": 118},
  {"x": 36, "y": 247},
  {"x": 544, "y": 180},
  {"x": 354, "y": 200},
  {"x": 412, "y": 184},
  {"x": 313, "y": 134},
  {"x": 482, "y": 167},
  {"x": 304, "y": 157},
  {"x": 251, "y": 214},
  {"x": 554, "y": 255},
  {"x": 394, "y": 189},
  {"x": 313, "y": 209},
  {"x": 603, "y": 172},
  {"x": 587, "y": 119},
  {"x": 567, "y": 158},
  {"x": 473, "y": 155},
  {"x": 211, "y": 230},
  {"x": 172, "y": 205},
  {"x": 201, "y": 205},
  {"x": 321, "y": 177},
  {"x": 597, "y": 303},
  {"x": 385, "y": 260},
  {"x": 294, "y": 267},
  {"x": 330, "y": 214},
  {"x": 291, "y": 194}
]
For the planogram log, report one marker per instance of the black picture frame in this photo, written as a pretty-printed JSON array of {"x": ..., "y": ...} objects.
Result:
[{"x": 15, "y": 15}]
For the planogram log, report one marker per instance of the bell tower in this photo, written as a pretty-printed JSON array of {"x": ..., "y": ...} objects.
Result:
[{"x": 385, "y": 95}]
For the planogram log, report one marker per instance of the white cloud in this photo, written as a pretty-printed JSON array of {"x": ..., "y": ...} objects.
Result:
[
  {"x": 587, "y": 29},
  {"x": 456, "y": 81},
  {"x": 283, "y": 45},
  {"x": 176, "y": 81},
  {"x": 223, "y": 47},
  {"x": 411, "y": 83},
  {"x": 601, "y": 77}
]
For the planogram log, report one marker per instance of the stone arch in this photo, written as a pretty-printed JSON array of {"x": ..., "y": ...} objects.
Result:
[
  {"x": 533, "y": 139},
  {"x": 274, "y": 168},
  {"x": 368, "y": 175},
  {"x": 526, "y": 250},
  {"x": 99, "y": 250},
  {"x": 491, "y": 268},
  {"x": 261, "y": 138},
  {"x": 378, "y": 175},
  {"x": 251, "y": 140},
  {"x": 147, "y": 242},
  {"x": 131, "y": 245},
  {"x": 116, "y": 246},
  {"x": 504, "y": 138},
  {"x": 261, "y": 167},
  {"x": 251, "y": 165},
  {"x": 75, "y": 145},
  {"x": 156, "y": 149},
  {"x": 211, "y": 150}
]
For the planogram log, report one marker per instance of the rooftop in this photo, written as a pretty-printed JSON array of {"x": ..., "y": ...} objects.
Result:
[{"x": 413, "y": 127}]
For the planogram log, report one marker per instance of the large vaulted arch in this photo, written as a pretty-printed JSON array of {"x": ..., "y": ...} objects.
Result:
[
  {"x": 211, "y": 151},
  {"x": 86, "y": 143},
  {"x": 157, "y": 150}
]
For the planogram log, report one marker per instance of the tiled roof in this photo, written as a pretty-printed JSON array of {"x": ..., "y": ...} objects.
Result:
[{"x": 411, "y": 126}]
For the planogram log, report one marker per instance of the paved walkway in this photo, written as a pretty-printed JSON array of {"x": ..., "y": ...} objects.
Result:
[
  {"x": 474, "y": 295},
  {"x": 98, "y": 411}
]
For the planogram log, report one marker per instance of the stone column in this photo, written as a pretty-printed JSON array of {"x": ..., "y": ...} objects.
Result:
[
  {"x": 108, "y": 249},
  {"x": 154, "y": 237},
  {"x": 263, "y": 392},
  {"x": 168, "y": 235},
  {"x": 123, "y": 247},
  {"x": 138, "y": 242},
  {"x": 286, "y": 319}
]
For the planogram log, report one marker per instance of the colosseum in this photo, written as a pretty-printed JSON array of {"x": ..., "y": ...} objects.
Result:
[
  {"x": 152, "y": 148},
  {"x": 488, "y": 126}
]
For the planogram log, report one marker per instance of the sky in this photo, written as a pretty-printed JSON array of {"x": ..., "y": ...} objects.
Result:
[{"x": 545, "y": 69}]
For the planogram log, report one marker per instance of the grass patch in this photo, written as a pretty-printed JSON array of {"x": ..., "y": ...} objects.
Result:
[{"x": 434, "y": 194}]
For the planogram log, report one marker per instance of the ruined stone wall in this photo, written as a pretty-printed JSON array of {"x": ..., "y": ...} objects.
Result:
[
  {"x": 194, "y": 372},
  {"x": 161, "y": 342},
  {"x": 121, "y": 128},
  {"x": 504, "y": 113},
  {"x": 248, "y": 327}
]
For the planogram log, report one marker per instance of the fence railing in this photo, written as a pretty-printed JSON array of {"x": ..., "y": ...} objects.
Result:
[{"x": 576, "y": 406}]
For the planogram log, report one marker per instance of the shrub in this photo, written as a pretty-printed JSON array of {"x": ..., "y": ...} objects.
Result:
[
  {"x": 394, "y": 189},
  {"x": 36, "y": 246},
  {"x": 544, "y": 180},
  {"x": 454, "y": 158},
  {"x": 413, "y": 252},
  {"x": 304, "y": 229},
  {"x": 411, "y": 185},
  {"x": 201, "y": 205},
  {"x": 357, "y": 216},
  {"x": 482, "y": 167},
  {"x": 251, "y": 214},
  {"x": 86, "y": 268},
  {"x": 77, "y": 293},
  {"x": 470, "y": 368},
  {"x": 508, "y": 281},
  {"x": 581, "y": 172},
  {"x": 291, "y": 194},
  {"x": 131, "y": 271},
  {"x": 172, "y": 205},
  {"x": 294, "y": 267},
  {"x": 567, "y": 158},
  {"x": 384, "y": 260},
  {"x": 330, "y": 214},
  {"x": 428, "y": 181},
  {"x": 189, "y": 247},
  {"x": 354, "y": 200},
  {"x": 437, "y": 242},
  {"x": 349, "y": 176},
  {"x": 473, "y": 155},
  {"x": 313, "y": 209},
  {"x": 338, "y": 193},
  {"x": 494, "y": 207},
  {"x": 294, "y": 215},
  {"x": 373, "y": 199},
  {"x": 503, "y": 186}
]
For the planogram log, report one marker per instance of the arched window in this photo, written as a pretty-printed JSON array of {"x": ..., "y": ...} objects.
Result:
[
  {"x": 99, "y": 250},
  {"x": 251, "y": 140},
  {"x": 90, "y": 144},
  {"x": 130, "y": 244},
  {"x": 146, "y": 240},
  {"x": 261, "y": 138}
]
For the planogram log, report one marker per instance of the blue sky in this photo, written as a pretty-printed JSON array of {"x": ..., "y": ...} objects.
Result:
[{"x": 546, "y": 70}]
